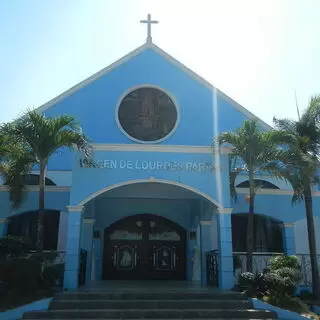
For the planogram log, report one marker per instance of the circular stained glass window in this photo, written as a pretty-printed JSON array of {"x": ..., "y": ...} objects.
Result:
[{"x": 147, "y": 114}]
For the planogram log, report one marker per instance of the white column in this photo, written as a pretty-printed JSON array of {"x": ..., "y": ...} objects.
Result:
[
  {"x": 63, "y": 231},
  {"x": 226, "y": 280},
  {"x": 289, "y": 239},
  {"x": 87, "y": 242},
  {"x": 75, "y": 214}
]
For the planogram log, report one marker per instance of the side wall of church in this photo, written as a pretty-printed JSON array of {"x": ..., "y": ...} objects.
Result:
[
  {"x": 280, "y": 207},
  {"x": 53, "y": 201}
]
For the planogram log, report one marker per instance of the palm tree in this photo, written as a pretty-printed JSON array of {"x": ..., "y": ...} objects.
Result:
[
  {"x": 255, "y": 148},
  {"x": 38, "y": 138},
  {"x": 299, "y": 161},
  {"x": 9, "y": 150}
]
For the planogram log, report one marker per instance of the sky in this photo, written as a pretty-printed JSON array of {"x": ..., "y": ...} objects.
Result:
[{"x": 257, "y": 52}]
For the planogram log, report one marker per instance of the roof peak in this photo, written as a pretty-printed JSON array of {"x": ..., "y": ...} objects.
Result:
[{"x": 149, "y": 45}]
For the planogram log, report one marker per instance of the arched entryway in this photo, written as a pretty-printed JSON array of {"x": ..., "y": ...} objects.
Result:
[
  {"x": 144, "y": 247},
  {"x": 171, "y": 206}
]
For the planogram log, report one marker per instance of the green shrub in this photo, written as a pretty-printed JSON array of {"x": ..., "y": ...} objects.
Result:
[
  {"x": 254, "y": 285},
  {"x": 22, "y": 274},
  {"x": 14, "y": 246},
  {"x": 293, "y": 274},
  {"x": 279, "y": 283},
  {"x": 25, "y": 270},
  {"x": 279, "y": 262}
]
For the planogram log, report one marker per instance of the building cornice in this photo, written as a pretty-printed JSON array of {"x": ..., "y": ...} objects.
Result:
[
  {"x": 275, "y": 192},
  {"x": 158, "y": 148},
  {"x": 36, "y": 188}
]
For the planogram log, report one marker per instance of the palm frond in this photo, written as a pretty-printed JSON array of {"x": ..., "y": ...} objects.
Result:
[
  {"x": 286, "y": 125},
  {"x": 14, "y": 171},
  {"x": 312, "y": 113},
  {"x": 74, "y": 140},
  {"x": 233, "y": 174}
]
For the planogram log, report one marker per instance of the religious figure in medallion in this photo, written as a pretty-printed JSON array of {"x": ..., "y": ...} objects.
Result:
[
  {"x": 126, "y": 259},
  {"x": 164, "y": 257},
  {"x": 147, "y": 114}
]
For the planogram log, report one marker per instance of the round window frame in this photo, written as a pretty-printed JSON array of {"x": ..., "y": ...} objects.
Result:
[{"x": 127, "y": 92}]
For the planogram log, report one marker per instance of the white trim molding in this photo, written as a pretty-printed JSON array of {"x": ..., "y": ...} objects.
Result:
[
  {"x": 288, "y": 225},
  {"x": 275, "y": 192},
  {"x": 78, "y": 208},
  {"x": 158, "y": 148},
  {"x": 154, "y": 180},
  {"x": 36, "y": 188},
  {"x": 3, "y": 220},
  {"x": 222, "y": 210}
]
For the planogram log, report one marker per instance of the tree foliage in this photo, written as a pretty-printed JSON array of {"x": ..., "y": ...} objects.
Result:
[
  {"x": 31, "y": 140},
  {"x": 254, "y": 148}
]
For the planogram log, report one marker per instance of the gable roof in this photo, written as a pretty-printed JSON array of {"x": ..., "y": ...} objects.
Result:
[{"x": 150, "y": 45}]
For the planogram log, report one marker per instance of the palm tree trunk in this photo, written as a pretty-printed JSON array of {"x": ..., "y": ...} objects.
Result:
[
  {"x": 250, "y": 226},
  {"x": 41, "y": 207},
  {"x": 312, "y": 242}
]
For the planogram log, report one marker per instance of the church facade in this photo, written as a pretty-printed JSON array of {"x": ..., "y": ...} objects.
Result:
[{"x": 159, "y": 198}]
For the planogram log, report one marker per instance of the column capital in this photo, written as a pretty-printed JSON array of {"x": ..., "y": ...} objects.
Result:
[
  {"x": 76, "y": 209},
  {"x": 222, "y": 210},
  {"x": 288, "y": 224},
  {"x": 89, "y": 221},
  {"x": 3, "y": 220}
]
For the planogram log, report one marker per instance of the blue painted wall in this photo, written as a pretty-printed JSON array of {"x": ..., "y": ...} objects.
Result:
[
  {"x": 53, "y": 200},
  {"x": 94, "y": 105},
  {"x": 103, "y": 177},
  {"x": 276, "y": 206}
]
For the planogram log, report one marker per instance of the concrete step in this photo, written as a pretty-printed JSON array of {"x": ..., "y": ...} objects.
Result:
[
  {"x": 149, "y": 304},
  {"x": 150, "y": 295},
  {"x": 151, "y": 314}
]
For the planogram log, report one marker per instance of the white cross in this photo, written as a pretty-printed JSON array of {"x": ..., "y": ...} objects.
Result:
[{"x": 149, "y": 22}]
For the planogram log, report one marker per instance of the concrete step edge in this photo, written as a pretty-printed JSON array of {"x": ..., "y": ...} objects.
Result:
[
  {"x": 147, "y": 301},
  {"x": 147, "y": 310},
  {"x": 164, "y": 318}
]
